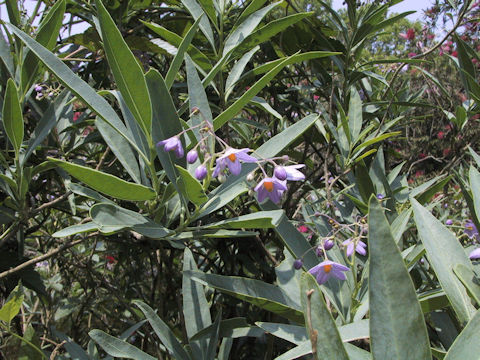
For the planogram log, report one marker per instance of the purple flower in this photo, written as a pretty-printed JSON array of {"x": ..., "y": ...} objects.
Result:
[
  {"x": 297, "y": 264},
  {"x": 271, "y": 188},
  {"x": 292, "y": 174},
  {"x": 192, "y": 156},
  {"x": 471, "y": 229},
  {"x": 38, "y": 88},
  {"x": 231, "y": 159},
  {"x": 201, "y": 172},
  {"x": 327, "y": 269},
  {"x": 172, "y": 143},
  {"x": 328, "y": 244},
  {"x": 280, "y": 173},
  {"x": 475, "y": 254},
  {"x": 449, "y": 222},
  {"x": 359, "y": 247},
  {"x": 380, "y": 196}
]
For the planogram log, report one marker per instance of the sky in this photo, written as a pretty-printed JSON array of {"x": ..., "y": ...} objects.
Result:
[{"x": 406, "y": 5}]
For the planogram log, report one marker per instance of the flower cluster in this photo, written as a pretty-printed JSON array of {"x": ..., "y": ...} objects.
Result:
[
  {"x": 230, "y": 160},
  {"x": 327, "y": 268}
]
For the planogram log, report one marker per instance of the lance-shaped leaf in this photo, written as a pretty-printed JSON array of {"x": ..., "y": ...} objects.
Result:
[
  {"x": 166, "y": 336},
  {"x": 259, "y": 293},
  {"x": 196, "y": 10},
  {"x": 165, "y": 123},
  {"x": 12, "y": 116},
  {"x": 106, "y": 183},
  {"x": 237, "y": 71},
  {"x": 466, "y": 345},
  {"x": 190, "y": 186},
  {"x": 246, "y": 28},
  {"x": 178, "y": 59},
  {"x": 257, "y": 220},
  {"x": 195, "y": 307},
  {"x": 397, "y": 326},
  {"x": 474, "y": 177},
  {"x": 76, "y": 229},
  {"x": 112, "y": 216},
  {"x": 127, "y": 72},
  {"x": 328, "y": 342},
  {"x": 470, "y": 280},
  {"x": 118, "y": 348},
  {"x": 444, "y": 252}
]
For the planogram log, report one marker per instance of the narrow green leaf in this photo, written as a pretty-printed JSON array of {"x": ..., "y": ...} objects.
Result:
[
  {"x": 444, "y": 252},
  {"x": 466, "y": 345},
  {"x": 259, "y": 293},
  {"x": 197, "y": 99},
  {"x": 268, "y": 31},
  {"x": 329, "y": 343},
  {"x": 237, "y": 71},
  {"x": 248, "y": 95},
  {"x": 196, "y": 310},
  {"x": 178, "y": 59},
  {"x": 12, "y": 116},
  {"x": 190, "y": 186},
  {"x": 165, "y": 123},
  {"x": 475, "y": 156},
  {"x": 106, "y": 183},
  {"x": 112, "y": 216},
  {"x": 469, "y": 280},
  {"x": 12, "y": 306},
  {"x": 256, "y": 220},
  {"x": 127, "y": 72},
  {"x": 355, "y": 116},
  {"x": 166, "y": 336},
  {"x": 118, "y": 348},
  {"x": 196, "y": 10},
  {"x": 200, "y": 58},
  {"x": 13, "y": 12},
  {"x": 246, "y": 28},
  {"x": 397, "y": 326},
  {"x": 233, "y": 328},
  {"x": 474, "y": 177},
  {"x": 76, "y": 229},
  {"x": 266, "y": 106}
]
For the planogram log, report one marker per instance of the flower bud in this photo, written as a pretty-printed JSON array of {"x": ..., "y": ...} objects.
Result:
[
  {"x": 222, "y": 178},
  {"x": 280, "y": 173},
  {"x": 38, "y": 88},
  {"x": 285, "y": 158},
  {"x": 201, "y": 172},
  {"x": 319, "y": 251},
  {"x": 449, "y": 222},
  {"x": 328, "y": 244},
  {"x": 298, "y": 264},
  {"x": 251, "y": 177},
  {"x": 317, "y": 214},
  {"x": 192, "y": 156}
]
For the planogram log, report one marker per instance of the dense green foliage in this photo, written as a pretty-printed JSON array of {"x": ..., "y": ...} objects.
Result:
[{"x": 153, "y": 197}]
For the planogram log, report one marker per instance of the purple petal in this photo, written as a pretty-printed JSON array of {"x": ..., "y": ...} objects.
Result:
[
  {"x": 262, "y": 194},
  {"x": 475, "y": 254},
  {"x": 361, "y": 250},
  {"x": 350, "y": 248},
  {"x": 179, "y": 151},
  {"x": 280, "y": 173},
  {"x": 259, "y": 185},
  {"x": 242, "y": 155},
  {"x": 275, "y": 196},
  {"x": 219, "y": 167},
  {"x": 315, "y": 270},
  {"x": 171, "y": 144},
  {"x": 340, "y": 267},
  {"x": 235, "y": 167},
  {"x": 293, "y": 174},
  {"x": 338, "y": 274},
  {"x": 322, "y": 277}
]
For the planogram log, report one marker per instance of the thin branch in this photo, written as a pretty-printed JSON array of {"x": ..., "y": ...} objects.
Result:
[{"x": 44, "y": 257}]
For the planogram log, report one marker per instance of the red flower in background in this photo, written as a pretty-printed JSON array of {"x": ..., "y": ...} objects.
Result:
[
  {"x": 446, "y": 152},
  {"x": 110, "y": 259},
  {"x": 76, "y": 115},
  {"x": 410, "y": 35},
  {"x": 440, "y": 135},
  {"x": 302, "y": 229}
]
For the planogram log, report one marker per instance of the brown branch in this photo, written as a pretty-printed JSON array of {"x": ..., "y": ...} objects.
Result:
[
  {"x": 51, "y": 203},
  {"x": 44, "y": 257}
]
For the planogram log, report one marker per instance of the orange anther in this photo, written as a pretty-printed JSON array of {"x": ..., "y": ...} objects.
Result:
[
  {"x": 268, "y": 185},
  {"x": 327, "y": 268},
  {"x": 232, "y": 157}
]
